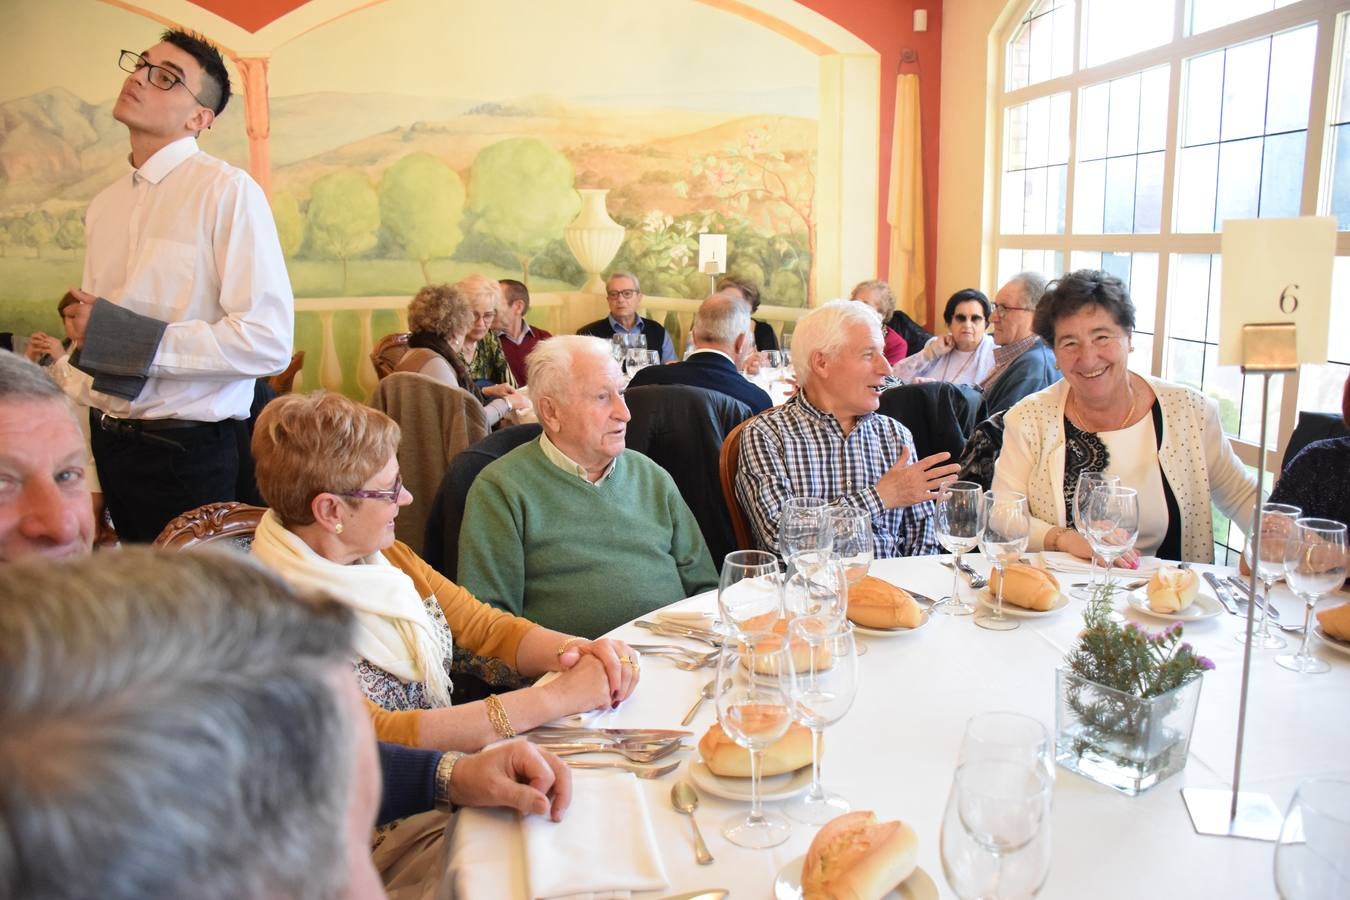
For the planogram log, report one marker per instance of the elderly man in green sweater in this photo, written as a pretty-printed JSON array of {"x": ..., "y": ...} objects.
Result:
[{"x": 573, "y": 529}]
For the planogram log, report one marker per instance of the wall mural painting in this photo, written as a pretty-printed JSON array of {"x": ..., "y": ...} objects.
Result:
[{"x": 420, "y": 140}]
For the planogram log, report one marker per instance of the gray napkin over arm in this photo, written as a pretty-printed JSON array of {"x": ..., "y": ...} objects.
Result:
[{"x": 119, "y": 346}]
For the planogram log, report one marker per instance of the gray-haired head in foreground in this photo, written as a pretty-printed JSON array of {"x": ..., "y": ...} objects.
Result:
[
  {"x": 169, "y": 727},
  {"x": 550, "y": 363},
  {"x": 721, "y": 319},
  {"x": 824, "y": 329},
  {"x": 23, "y": 380},
  {"x": 1033, "y": 286}
]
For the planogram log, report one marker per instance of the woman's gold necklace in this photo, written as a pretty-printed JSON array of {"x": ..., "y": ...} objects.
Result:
[{"x": 1129, "y": 389}]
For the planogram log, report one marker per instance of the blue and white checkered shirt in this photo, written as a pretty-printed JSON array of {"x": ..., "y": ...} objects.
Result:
[{"x": 797, "y": 450}]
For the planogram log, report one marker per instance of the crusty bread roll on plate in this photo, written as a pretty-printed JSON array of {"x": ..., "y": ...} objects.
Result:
[
  {"x": 874, "y": 603},
  {"x": 728, "y": 759},
  {"x": 1335, "y": 622},
  {"x": 1027, "y": 587},
  {"x": 1171, "y": 590},
  {"x": 858, "y": 858},
  {"x": 801, "y": 653}
]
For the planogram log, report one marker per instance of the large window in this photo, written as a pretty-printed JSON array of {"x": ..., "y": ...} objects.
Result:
[{"x": 1153, "y": 121}]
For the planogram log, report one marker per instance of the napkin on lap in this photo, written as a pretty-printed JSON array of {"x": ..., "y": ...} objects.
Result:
[
  {"x": 1056, "y": 561},
  {"x": 604, "y": 846}
]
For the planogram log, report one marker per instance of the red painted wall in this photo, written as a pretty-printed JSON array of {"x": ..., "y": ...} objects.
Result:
[{"x": 888, "y": 26}]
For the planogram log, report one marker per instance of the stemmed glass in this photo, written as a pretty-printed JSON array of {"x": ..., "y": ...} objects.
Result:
[
  {"x": 824, "y": 679},
  {"x": 1087, "y": 483},
  {"x": 1310, "y": 859},
  {"x": 754, "y": 710},
  {"x": 1314, "y": 564},
  {"x": 958, "y": 530},
  {"x": 815, "y": 587},
  {"x": 750, "y": 591},
  {"x": 996, "y": 831},
  {"x": 1112, "y": 523},
  {"x": 1007, "y": 736},
  {"x": 1277, "y": 526},
  {"x": 1004, "y": 529},
  {"x": 804, "y": 526},
  {"x": 852, "y": 545}
]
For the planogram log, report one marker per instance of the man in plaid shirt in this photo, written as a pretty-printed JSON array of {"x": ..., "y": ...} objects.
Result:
[{"x": 828, "y": 440}]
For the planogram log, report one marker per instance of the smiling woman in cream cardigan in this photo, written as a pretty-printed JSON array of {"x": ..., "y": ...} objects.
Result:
[
  {"x": 327, "y": 467},
  {"x": 1162, "y": 439}
]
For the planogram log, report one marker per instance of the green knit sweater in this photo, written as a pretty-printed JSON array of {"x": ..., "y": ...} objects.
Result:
[{"x": 577, "y": 557}]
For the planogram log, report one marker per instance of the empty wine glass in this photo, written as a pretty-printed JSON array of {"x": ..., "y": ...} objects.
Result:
[
  {"x": 1087, "y": 483},
  {"x": 823, "y": 671},
  {"x": 750, "y": 591},
  {"x": 1004, "y": 528},
  {"x": 773, "y": 359},
  {"x": 1277, "y": 526},
  {"x": 1310, "y": 859},
  {"x": 995, "y": 840},
  {"x": 754, "y": 710},
  {"x": 958, "y": 530},
  {"x": 804, "y": 527},
  {"x": 1112, "y": 523},
  {"x": 1314, "y": 564},
  {"x": 815, "y": 586},
  {"x": 852, "y": 545},
  {"x": 1001, "y": 735}
]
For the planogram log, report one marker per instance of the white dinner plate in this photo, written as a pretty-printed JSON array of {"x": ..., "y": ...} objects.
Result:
[
  {"x": 893, "y": 632},
  {"x": 918, "y": 886},
  {"x": 1012, "y": 609},
  {"x": 1204, "y": 606},
  {"x": 1336, "y": 644},
  {"x": 771, "y": 787}
]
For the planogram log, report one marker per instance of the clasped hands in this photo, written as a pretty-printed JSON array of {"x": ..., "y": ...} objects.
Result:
[{"x": 616, "y": 660}]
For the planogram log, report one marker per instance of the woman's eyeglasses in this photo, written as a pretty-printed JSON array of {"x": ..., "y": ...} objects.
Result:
[{"x": 389, "y": 496}]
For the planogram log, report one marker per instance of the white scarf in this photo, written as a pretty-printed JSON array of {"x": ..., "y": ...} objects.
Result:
[{"x": 393, "y": 628}]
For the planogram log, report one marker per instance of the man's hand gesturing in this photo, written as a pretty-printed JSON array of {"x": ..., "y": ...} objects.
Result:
[{"x": 909, "y": 483}]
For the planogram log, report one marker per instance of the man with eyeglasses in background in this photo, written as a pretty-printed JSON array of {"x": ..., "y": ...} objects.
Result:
[
  {"x": 185, "y": 300},
  {"x": 625, "y": 296},
  {"x": 1023, "y": 363}
]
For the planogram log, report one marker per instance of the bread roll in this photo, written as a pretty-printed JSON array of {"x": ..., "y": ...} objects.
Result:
[
  {"x": 1335, "y": 622},
  {"x": 800, "y": 652},
  {"x": 874, "y": 603},
  {"x": 725, "y": 757},
  {"x": 1027, "y": 587},
  {"x": 859, "y": 858},
  {"x": 1171, "y": 590}
]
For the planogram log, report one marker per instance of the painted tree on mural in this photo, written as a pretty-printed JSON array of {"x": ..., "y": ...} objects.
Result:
[
  {"x": 343, "y": 218},
  {"x": 522, "y": 191},
  {"x": 422, "y": 206},
  {"x": 290, "y": 222}
]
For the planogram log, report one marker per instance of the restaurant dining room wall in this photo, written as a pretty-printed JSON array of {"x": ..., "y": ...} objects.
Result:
[{"x": 409, "y": 141}]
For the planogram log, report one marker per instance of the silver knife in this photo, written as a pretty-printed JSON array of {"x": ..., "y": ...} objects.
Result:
[
  {"x": 1246, "y": 592},
  {"x": 1225, "y": 596},
  {"x": 712, "y": 639},
  {"x": 712, "y": 894}
]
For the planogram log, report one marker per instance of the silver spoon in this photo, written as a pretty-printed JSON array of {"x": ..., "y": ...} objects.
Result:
[
  {"x": 685, "y": 799},
  {"x": 708, "y": 692}
]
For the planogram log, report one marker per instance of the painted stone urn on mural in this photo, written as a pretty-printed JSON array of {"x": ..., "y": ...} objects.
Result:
[{"x": 593, "y": 237}]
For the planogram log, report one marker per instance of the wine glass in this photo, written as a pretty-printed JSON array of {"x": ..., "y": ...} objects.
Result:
[
  {"x": 1007, "y": 736},
  {"x": 750, "y": 591},
  {"x": 958, "y": 530},
  {"x": 995, "y": 839},
  {"x": 823, "y": 670},
  {"x": 1314, "y": 564},
  {"x": 1112, "y": 523},
  {"x": 1087, "y": 483},
  {"x": 852, "y": 545},
  {"x": 815, "y": 586},
  {"x": 804, "y": 526},
  {"x": 1310, "y": 859},
  {"x": 1004, "y": 529},
  {"x": 754, "y": 710},
  {"x": 773, "y": 359},
  {"x": 1277, "y": 526}
]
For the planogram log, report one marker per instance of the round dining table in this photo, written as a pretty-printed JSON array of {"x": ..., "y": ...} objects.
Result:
[{"x": 894, "y": 752}]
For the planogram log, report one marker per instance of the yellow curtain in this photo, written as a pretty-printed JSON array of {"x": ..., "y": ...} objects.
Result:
[{"x": 904, "y": 208}]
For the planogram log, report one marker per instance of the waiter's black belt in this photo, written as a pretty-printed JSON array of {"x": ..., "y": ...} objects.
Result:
[{"x": 151, "y": 431}]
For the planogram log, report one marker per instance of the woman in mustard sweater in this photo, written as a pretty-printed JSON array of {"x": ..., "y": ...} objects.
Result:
[{"x": 327, "y": 467}]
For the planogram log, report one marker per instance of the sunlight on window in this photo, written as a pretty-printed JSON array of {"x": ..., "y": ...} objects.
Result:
[
  {"x": 1042, "y": 46},
  {"x": 1049, "y": 263},
  {"x": 1113, "y": 30},
  {"x": 1340, "y": 135},
  {"x": 1206, "y": 15},
  {"x": 1036, "y": 156},
  {"x": 1122, "y": 138}
]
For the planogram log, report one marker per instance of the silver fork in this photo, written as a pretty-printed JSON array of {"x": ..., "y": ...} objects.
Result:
[
  {"x": 684, "y": 657},
  {"x": 632, "y": 753},
  {"x": 977, "y": 580},
  {"x": 639, "y": 771}
]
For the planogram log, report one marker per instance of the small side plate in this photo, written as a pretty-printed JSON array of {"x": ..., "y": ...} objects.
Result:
[
  {"x": 893, "y": 632},
  {"x": 918, "y": 886},
  {"x": 1012, "y": 609},
  {"x": 1204, "y": 606},
  {"x": 771, "y": 787},
  {"x": 1336, "y": 644}
]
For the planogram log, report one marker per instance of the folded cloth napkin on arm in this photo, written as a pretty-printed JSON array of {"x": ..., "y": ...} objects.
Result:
[
  {"x": 1067, "y": 562},
  {"x": 604, "y": 846}
]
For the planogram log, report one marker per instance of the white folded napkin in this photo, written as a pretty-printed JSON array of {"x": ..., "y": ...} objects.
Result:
[
  {"x": 604, "y": 847},
  {"x": 1067, "y": 562},
  {"x": 691, "y": 617}
]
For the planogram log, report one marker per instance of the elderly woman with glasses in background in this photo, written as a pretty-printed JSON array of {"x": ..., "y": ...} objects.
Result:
[
  {"x": 328, "y": 470},
  {"x": 1164, "y": 440},
  {"x": 965, "y": 354}
]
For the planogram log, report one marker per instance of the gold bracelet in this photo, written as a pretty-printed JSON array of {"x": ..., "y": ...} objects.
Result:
[
  {"x": 562, "y": 648},
  {"x": 496, "y": 714}
]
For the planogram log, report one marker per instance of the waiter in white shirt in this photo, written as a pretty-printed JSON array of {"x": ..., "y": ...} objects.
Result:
[{"x": 186, "y": 297}]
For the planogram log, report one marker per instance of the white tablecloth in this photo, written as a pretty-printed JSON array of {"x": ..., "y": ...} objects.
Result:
[{"x": 895, "y": 750}]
